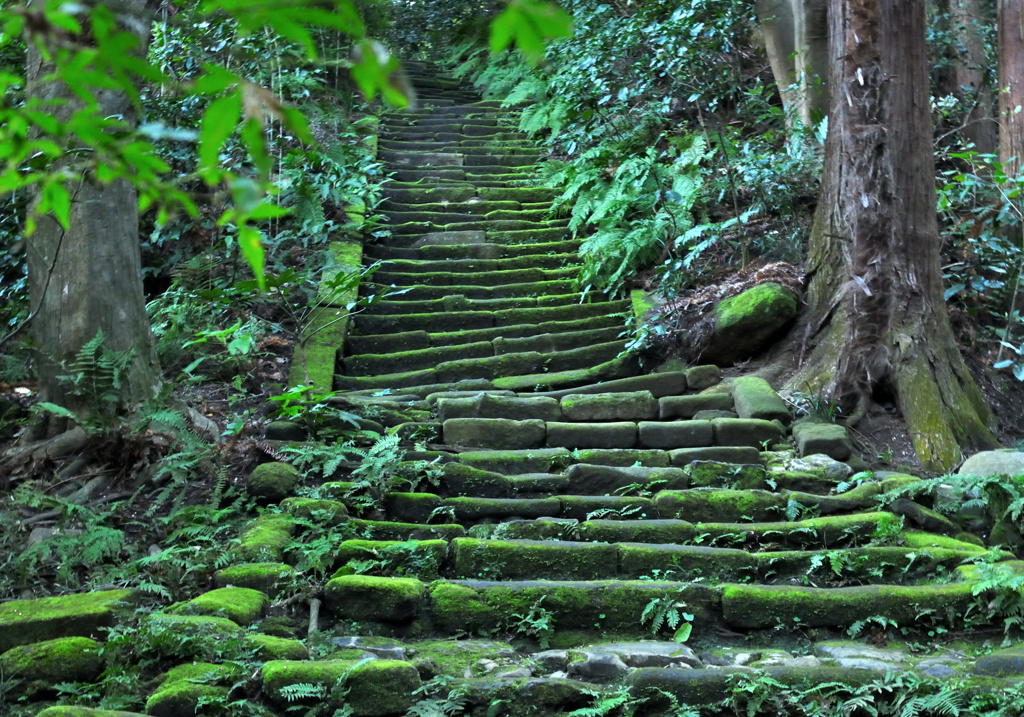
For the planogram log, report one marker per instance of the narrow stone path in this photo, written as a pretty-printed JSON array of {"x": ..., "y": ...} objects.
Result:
[{"x": 561, "y": 524}]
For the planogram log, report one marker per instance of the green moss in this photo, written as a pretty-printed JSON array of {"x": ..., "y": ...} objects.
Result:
[
  {"x": 454, "y": 657},
  {"x": 541, "y": 460},
  {"x": 638, "y": 531},
  {"x": 422, "y": 559},
  {"x": 374, "y": 688},
  {"x": 191, "y": 637},
  {"x": 273, "y": 482},
  {"x": 184, "y": 686},
  {"x": 579, "y": 507},
  {"x": 685, "y": 562},
  {"x": 42, "y": 665},
  {"x": 622, "y": 457},
  {"x": 753, "y": 606},
  {"x": 67, "y": 711},
  {"x": 366, "y": 597},
  {"x": 458, "y": 609},
  {"x": 265, "y": 539},
  {"x": 721, "y": 505},
  {"x": 240, "y": 605},
  {"x": 389, "y": 530},
  {"x": 527, "y": 559},
  {"x": 326, "y": 511},
  {"x": 270, "y": 578},
  {"x": 27, "y": 621},
  {"x": 919, "y": 540},
  {"x": 754, "y": 304},
  {"x": 269, "y": 647},
  {"x": 726, "y": 475}
]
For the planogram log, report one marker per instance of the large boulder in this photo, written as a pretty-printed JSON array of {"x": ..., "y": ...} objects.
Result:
[
  {"x": 745, "y": 323},
  {"x": 990, "y": 463}
]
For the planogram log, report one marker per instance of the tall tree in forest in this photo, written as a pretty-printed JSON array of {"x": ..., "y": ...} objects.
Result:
[
  {"x": 1011, "y": 85},
  {"x": 875, "y": 294},
  {"x": 85, "y": 271},
  {"x": 796, "y": 40},
  {"x": 971, "y": 84}
]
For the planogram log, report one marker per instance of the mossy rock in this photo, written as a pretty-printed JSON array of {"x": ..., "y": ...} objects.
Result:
[
  {"x": 270, "y": 578},
  {"x": 627, "y": 406},
  {"x": 455, "y": 657},
  {"x": 192, "y": 637},
  {"x": 377, "y": 688},
  {"x": 42, "y": 665},
  {"x": 273, "y": 482},
  {"x": 754, "y": 397},
  {"x": 265, "y": 539},
  {"x": 326, "y": 512},
  {"x": 376, "y": 599},
  {"x": 185, "y": 686},
  {"x": 270, "y": 647},
  {"x": 713, "y": 474},
  {"x": 744, "y": 323},
  {"x": 27, "y": 621},
  {"x": 813, "y": 437},
  {"x": 459, "y": 479},
  {"x": 766, "y": 606},
  {"x": 240, "y": 605},
  {"x": 521, "y": 559},
  {"x": 69, "y": 711},
  {"x": 720, "y": 505},
  {"x": 419, "y": 558}
]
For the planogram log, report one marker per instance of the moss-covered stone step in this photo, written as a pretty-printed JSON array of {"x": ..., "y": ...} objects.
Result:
[
  {"x": 463, "y": 320},
  {"x": 429, "y": 291},
  {"x": 473, "y": 278},
  {"x": 829, "y": 532},
  {"x": 408, "y": 234},
  {"x": 532, "y": 559},
  {"x": 620, "y": 367},
  {"x": 556, "y": 460},
  {"x": 413, "y": 340},
  {"x": 547, "y": 343},
  {"x": 23, "y": 622},
  {"x": 469, "y": 510},
  {"x": 458, "y": 302},
  {"x": 473, "y": 606},
  {"x": 402, "y": 361},
  {"x": 765, "y": 606},
  {"x": 474, "y": 206},
  {"x": 373, "y": 688},
  {"x": 470, "y": 266},
  {"x": 658, "y": 384}
]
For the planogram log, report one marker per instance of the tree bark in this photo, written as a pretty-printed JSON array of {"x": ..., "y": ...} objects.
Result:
[
  {"x": 776, "y": 20},
  {"x": 972, "y": 85},
  {"x": 875, "y": 293},
  {"x": 89, "y": 278},
  {"x": 1011, "y": 85},
  {"x": 812, "y": 58}
]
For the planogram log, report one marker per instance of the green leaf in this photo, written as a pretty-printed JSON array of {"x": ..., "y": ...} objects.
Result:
[
  {"x": 250, "y": 242},
  {"x": 219, "y": 122},
  {"x": 377, "y": 70},
  {"x": 683, "y": 633},
  {"x": 530, "y": 24}
]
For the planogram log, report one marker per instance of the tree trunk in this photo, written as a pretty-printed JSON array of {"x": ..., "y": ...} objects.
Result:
[
  {"x": 980, "y": 129},
  {"x": 1011, "y": 85},
  {"x": 89, "y": 278},
  {"x": 812, "y": 48},
  {"x": 875, "y": 293},
  {"x": 776, "y": 20}
]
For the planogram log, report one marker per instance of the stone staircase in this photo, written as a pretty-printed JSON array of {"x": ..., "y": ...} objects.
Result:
[{"x": 556, "y": 496}]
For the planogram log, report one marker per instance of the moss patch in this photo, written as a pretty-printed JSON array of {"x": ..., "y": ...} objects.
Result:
[
  {"x": 240, "y": 605},
  {"x": 43, "y": 664},
  {"x": 27, "y": 621},
  {"x": 365, "y": 597},
  {"x": 270, "y": 578}
]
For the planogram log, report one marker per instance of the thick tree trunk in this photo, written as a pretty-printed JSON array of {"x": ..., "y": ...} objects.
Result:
[
  {"x": 972, "y": 85},
  {"x": 875, "y": 292},
  {"x": 89, "y": 278},
  {"x": 1011, "y": 85}
]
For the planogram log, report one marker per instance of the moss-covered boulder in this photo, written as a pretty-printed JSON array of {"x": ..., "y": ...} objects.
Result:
[
  {"x": 272, "y": 482},
  {"x": 270, "y": 647},
  {"x": 240, "y": 605},
  {"x": 744, "y": 323},
  {"x": 185, "y": 686},
  {"x": 265, "y": 539},
  {"x": 40, "y": 666},
  {"x": 377, "y": 688},
  {"x": 191, "y": 637},
  {"x": 26, "y": 621},
  {"x": 270, "y": 578},
  {"x": 377, "y": 599}
]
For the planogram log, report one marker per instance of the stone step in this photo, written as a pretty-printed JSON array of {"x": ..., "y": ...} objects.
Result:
[
  {"x": 463, "y": 320},
  {"x": 449, "y": 265},
  {"x": 474, "y": 206},
  {"x": 620, "y": 367},
  {"x": 411, "y": 340},
  {"x": 406, "y": 192},
  {"x": 428, "y": 291},
  {"x": 486, "y": 367},
  {"x": 409, "y": 234},
  {"x": 458, "y": 302},
  {"x": 497, "y": 277}
]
